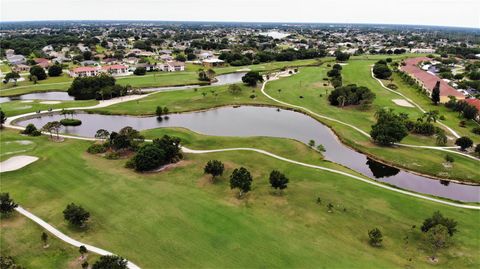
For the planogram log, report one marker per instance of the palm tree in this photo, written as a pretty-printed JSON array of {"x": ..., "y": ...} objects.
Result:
[{"x": 431, "y": 115}]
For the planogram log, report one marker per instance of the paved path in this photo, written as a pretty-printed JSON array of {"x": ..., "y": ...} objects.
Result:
[{"x": 65, "y": 237}]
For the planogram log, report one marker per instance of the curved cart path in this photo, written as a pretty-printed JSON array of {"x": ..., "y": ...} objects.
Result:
[{"x": 65, "y": 237}]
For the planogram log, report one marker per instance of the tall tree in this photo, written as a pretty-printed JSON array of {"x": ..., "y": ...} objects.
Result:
[
  {"x": 436, "y": 93},
  {"x": 76, "y": 215},
  {"x": 241, "y": 179},
  {"x": 44, "y": 238},
  {"x": 278, "y": 180},
  {"x": 437, "y": 238},
  {"x": 83, "y": 250},
  {"x": 7, "y": 205},
  {"x": 375, "y": 237},
  {"x": 214, "y": 168}
]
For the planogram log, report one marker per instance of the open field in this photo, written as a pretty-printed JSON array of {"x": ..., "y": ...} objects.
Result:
[
  {"x": 178, "y": 218},
  {"x": 188, "y": 100}
]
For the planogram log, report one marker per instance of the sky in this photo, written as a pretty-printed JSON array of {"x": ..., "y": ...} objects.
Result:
[{"x": 463, "y": 13}]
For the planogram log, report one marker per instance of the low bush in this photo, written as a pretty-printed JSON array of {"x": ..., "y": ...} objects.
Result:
[
  {"x": 112, "y": 156},
  {"x": 476, "y": 130},
  {"x": 71, "y": 122},
  {"x": 31, "y": 130},
  {"x": 97, "y": 148}
]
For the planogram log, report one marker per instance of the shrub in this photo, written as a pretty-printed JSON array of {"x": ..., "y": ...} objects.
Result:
[
  {"x": 148, "y": 157},
  {"x": 392, "y": 86},
  {"x": 97, "y": 148},
  {"x": 38, "y": 71},
  {"x": 31, "y": 130},
  {"x": 477, "y": 149},
  {"x": 390, "y": 127},
  {"x": 76, "y": 215},
  {"x": 449, "y": 158},
  {"x": 464, "y": 142},
  {"x": 70, "y": 122},
  {"x": 476, "y": 130}
]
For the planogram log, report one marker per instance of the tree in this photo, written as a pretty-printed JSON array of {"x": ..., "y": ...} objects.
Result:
[
  {"x": 85, "y": 265},
  {"x": 12, "y": 76},
  {"x": 159, "y": 111},
  {"x": 102, "y": 134},
  {"x": 83, "y": 250},
  {"x": 234, "y": 89},
  {"x": 251, "y": 78},
  {"x": 7, "y": 205},
  {"x": 381, "y": 70},
  {"x": 55, "y": 70},
  {"x": 441, "y": 139},
  {"x": 44, "y": 238},
  {"x": 431, "y": 115},
  {"x": 390, "y": 127},
  {"x": 171, "y": 146},
  {"x": 210, "y": 74},
  {"x": 477, "y": 149},
  {"x": 110, "y": 262},
  {"x": 469, "y": 112},
  {"x": 140, "y": 71},
  {"x": 278, "y": 180},
  {"x": 34, "y": 79},
  {"x": 241, "y": 179},
  {"x": 350, "y": 95},
  {"x": 436, "y": 219},
  {"x": 375, "y": 237},
  {"x": 436, "y": 93},
  {"x": 76, "y": 215},
  {"x": 148, "y": 157},
  {"x": 437, "y": 238},
  {"x": 464, "y": 142},
  {"x": 52, "y": 126},
  {"x": 3, "y": 118},
  {"x": 214, "y": 168},
  {"x": 341, "y": 56},
  {"x": 38, "y": 71}
]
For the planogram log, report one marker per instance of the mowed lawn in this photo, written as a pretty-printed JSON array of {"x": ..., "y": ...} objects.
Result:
[
  {"x": 21, "y": 239},
  {"x": 19, "y": 107},
  {"x": 178, "y": 218},
  {"x": 189, "y": 100}
]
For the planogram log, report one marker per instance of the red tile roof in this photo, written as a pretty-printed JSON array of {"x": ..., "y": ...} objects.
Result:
[
  {"x": 40, "y": 60},
  {"x": 474, "y": 102},
  {"x": 428, "y": 79},
  {"x": 84, "y": 69},
  {"x": 114, "y": 66}
]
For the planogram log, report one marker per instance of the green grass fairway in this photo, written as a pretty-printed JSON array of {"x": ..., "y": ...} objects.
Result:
[
  {"x": 188, "y": 100},
  {"x": 177, "y": 218}
]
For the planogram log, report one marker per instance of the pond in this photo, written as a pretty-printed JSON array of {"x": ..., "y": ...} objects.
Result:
[
  {"x": 63, "y": 96},
  {"x": 273, "y": 122},
  {"x": 224, "y": 79},
  {"x": 54, "y": 96}
]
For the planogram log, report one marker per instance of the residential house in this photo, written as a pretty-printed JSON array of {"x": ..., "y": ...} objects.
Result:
[
  {"x": 210, "y": 63},
  {"x": 116, "y": 69},
  {"x": 42, "y": 62},
  {"x": 429, "y": 80},
  {"x": 476, "y": 103},
  {"x": 172, "y": 66},
  {"x": 16, "y": 59},
  {"x": 149, "y": 67},
  {"x": 166, "y": 57},
  {"x": 84, "y": 71},
  {"x": 47, "y": 49},
  {"x": 21, "y": 68}
]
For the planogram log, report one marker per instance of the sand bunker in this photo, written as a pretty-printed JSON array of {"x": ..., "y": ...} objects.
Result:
[
  {"x": 50, "y": 102},
  {"x": 26, "y": 101},
  {"x": 402, "y": 102},
  {"x": 16, "y": 162},
  {"x": 243, "y": 70}
]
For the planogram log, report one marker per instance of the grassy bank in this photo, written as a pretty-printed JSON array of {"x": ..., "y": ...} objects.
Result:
[{"x": 177, "y": 218}]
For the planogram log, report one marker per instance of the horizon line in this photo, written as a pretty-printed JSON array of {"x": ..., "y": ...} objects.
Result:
[{"x": 247, "y": 22}]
